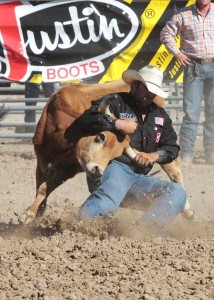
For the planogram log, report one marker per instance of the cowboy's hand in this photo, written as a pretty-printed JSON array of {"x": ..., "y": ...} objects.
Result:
[
  {"x": 143, "y": 159},
  {"x": 183, "y": 58},
  {"x": 126, "y": 126}
]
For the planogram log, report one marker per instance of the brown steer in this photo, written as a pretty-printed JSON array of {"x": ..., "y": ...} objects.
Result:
[{"x": 62, "y": 150}]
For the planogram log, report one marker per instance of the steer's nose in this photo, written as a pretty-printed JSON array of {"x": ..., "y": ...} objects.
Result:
[{"x": 96, "y": 172}]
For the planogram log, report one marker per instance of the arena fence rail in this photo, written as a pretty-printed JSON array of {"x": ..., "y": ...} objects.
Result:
[{"x": 14, "y": 101}]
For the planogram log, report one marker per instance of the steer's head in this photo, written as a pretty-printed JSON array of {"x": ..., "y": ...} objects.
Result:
[{"x": 95, "y": 152}]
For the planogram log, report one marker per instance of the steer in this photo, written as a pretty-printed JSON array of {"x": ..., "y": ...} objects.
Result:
[{"x": 63, "y": 150}]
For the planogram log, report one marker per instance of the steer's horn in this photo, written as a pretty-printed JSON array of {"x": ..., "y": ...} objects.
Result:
[
  {"x": 104, "y": 105},
  {"x": 129, "y": 152}
]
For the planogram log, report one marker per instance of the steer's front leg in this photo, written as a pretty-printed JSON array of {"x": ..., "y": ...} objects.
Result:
[
  {"x": 173, "y": 170},
  {"x": 31, "y": 212}
]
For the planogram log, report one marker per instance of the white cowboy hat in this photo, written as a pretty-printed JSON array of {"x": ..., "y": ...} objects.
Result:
[{"x": 151, "y": 76}]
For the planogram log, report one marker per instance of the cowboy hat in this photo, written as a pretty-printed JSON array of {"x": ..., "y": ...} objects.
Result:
[{"x": 151, "y": 76}]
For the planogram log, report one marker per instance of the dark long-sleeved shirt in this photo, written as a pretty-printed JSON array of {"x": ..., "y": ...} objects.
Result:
[{"x": 154, "y": 132}]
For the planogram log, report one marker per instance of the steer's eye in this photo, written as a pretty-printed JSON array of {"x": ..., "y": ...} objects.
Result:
[{"x": 100, "y": 138}]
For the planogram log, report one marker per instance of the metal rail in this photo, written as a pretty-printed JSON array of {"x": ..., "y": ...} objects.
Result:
[{"x": 15, "y": 102}]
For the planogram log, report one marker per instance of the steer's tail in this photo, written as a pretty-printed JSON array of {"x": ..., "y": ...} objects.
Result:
[{"x": 40, "y": 128}]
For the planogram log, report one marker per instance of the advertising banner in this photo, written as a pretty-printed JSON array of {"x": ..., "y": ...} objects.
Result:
[{"x": 78, "y": 40}]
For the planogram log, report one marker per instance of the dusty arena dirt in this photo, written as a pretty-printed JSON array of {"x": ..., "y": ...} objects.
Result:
[{"x": 60, "y": 258}]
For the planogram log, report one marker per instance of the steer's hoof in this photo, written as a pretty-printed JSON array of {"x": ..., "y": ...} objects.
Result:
[
  {"x": 26, "y": 218},
  {"x": 189, "y": 215}
]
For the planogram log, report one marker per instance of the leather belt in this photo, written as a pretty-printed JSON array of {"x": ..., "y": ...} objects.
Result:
[{"x": 203, "y": 61}]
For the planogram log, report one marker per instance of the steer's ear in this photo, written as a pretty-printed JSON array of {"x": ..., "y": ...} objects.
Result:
[{"x": 100, "y": 138}]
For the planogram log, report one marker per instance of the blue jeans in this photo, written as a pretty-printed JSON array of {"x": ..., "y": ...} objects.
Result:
[
  {"x": 161, "y": 199},
  {"x": 32, "y": 91},
  {"x": 198, "y": 85}
]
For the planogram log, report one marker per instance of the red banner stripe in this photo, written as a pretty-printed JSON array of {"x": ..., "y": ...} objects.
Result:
[{"x": 12, "y": 41}]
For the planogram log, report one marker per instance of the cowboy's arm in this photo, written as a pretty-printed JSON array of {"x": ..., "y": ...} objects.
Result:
[
  {"x": 168, "y": 149},
  {"x": 94, "y": 121},
  {"x": 169, "y": 33}
]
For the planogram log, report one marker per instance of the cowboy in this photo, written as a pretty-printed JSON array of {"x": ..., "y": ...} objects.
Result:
[
  {"x": 194, "y": 27},
  {"x": 153, "y": 139}
]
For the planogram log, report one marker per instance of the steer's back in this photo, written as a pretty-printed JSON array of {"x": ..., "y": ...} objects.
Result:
[{"x": 53, "y": 133}]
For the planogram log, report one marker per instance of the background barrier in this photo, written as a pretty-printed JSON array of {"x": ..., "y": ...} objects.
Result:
[{"x": 12, "y": 96}]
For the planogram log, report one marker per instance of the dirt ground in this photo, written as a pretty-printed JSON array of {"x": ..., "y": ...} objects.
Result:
[{"x": 61, "y": 258}]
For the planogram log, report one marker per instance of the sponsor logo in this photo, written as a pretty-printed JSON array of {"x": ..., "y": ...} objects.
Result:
[
  {"x": 73, "y": 38},
  {"x": 125, "y": 116}
]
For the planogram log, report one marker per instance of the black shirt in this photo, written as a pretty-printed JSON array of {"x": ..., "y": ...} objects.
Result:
[{"x": 154, "y": 132}]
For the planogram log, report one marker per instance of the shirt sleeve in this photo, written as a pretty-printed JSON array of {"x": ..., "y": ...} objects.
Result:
[
  {"x": 169, "y": 33},
  {"x": 93, "y": 122},
  {"x": 168, "y": 142}
]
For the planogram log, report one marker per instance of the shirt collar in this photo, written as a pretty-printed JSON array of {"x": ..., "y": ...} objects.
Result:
[{"x": 198, "y": 12}]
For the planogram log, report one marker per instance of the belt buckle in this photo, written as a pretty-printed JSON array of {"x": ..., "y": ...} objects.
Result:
[{"x": 206, "y": 61}]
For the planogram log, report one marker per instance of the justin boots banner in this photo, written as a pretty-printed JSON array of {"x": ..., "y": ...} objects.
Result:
[{"x": 92, "y": 41}]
